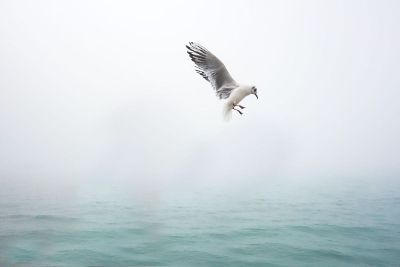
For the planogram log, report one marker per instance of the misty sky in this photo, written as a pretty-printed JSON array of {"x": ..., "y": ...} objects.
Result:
[{"x": 104, "y": 90}]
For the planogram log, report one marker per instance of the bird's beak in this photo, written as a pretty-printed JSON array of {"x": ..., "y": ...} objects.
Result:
[{"x": 256, "y": 95}]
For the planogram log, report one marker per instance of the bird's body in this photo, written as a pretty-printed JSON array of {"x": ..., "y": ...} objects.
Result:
[
  {"x": 215, "y": 72},
  {"x": 238, "y": 94},
  {"x": 234, "y": 99}
]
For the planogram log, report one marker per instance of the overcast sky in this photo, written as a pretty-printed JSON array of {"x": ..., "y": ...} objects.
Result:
[{"x": 104, "y": 90}]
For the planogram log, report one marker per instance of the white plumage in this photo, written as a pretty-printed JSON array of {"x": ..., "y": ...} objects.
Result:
[{"x": 214, "y": 71}]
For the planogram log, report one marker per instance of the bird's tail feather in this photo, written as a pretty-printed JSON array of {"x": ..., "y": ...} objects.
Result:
[{"x": 227, "y": 112}]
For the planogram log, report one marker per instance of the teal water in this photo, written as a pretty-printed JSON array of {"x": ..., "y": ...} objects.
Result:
[{"x": 279, "y": 224}]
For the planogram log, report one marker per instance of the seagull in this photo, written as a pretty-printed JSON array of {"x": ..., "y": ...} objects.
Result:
[{"x": 214, "y": 71}]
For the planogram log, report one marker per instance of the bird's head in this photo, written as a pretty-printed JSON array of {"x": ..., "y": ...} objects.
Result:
[{"x": 253, "y": 91}]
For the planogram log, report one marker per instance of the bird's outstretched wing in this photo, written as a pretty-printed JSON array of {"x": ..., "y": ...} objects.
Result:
[{"x": 211, "y": 69}]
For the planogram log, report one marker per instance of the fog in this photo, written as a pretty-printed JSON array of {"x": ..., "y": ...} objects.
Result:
[{"x": 103, "y": 92}]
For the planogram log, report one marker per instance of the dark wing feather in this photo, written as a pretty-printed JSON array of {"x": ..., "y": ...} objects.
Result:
[{"x": 211, "y": 69}]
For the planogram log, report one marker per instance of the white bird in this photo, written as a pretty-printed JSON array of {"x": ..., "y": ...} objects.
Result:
[{"x": 215, "y": 72}]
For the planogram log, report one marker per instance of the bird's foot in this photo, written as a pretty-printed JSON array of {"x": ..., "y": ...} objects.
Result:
[
  {"x": 241, "y": 113},
  {"x": 240, "y": 106}
]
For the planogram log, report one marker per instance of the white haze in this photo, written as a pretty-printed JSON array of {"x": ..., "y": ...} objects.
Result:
[{"x": 103, "y": 92}]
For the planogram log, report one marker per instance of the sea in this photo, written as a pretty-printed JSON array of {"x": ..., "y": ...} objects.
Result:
[{"x": 352, "y": 222}]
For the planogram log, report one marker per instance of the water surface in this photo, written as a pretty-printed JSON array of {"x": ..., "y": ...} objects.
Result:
[{"x": 278, "y": 224}]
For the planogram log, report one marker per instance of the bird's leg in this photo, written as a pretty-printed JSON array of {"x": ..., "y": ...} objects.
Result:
[
  {"x": 240, "y": 106},
  {"x": 238, "y": 111},
  {"x": 233, "y": 107}
]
